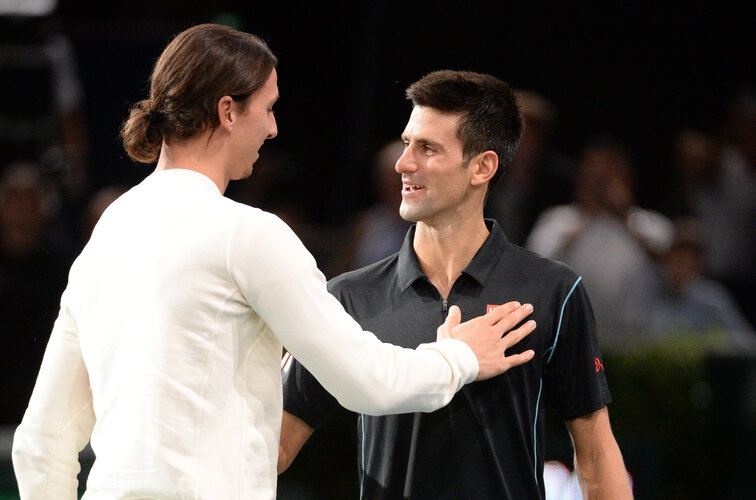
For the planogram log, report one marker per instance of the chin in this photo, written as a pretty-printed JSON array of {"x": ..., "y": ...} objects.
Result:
[
  {"x": 409, "y": 214},
  {"x": 243, "y": 174}
]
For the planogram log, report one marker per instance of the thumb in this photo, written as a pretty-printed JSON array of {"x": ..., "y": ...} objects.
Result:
[{"x": 452, "y": 319}]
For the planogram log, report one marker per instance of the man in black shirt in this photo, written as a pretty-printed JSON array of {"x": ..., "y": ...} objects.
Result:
[{"x": 488, "y": 442}]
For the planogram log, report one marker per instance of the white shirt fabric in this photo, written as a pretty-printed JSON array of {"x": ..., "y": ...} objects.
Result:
[{"x": 167, "y": 352}]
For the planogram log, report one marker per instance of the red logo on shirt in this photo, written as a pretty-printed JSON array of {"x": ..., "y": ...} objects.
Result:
[
  {"x": 599, "y": 366},
  {"x": 490, "y": 307}
]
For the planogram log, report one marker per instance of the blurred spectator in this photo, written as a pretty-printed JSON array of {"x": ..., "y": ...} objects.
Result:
[
  {"x": 674, "y": 296},
  {"x": 717, "y": 186},
  {"x": 694, "y": 171},
  {"x": 41, "y": 97},
  {"x": 379, "y": 230},
  {"x": 602, "y": 234},
  {"x": 32, "y": 277},
  {"x": 729, "y": 213},
  {"x": 95, "y": 208},
  {"x": 538, "y": 176}
]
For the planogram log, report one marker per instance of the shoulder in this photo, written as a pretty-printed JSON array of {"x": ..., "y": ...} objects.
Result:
[
  {"x": 246, "y": 225},
  {"x": 263, "y": 249},
  {"x": 254, "y": 216},
  {"x": 367, "y": 278},
  {"x": 262, "y": 230},
  {"x": 532, "y": 265}
]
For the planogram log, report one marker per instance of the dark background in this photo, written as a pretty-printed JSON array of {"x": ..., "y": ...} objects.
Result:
[{"x": 640, "y": 71}]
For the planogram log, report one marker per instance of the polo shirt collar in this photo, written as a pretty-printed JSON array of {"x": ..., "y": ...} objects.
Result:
[
  {"x": 408, "y": 266},
  {"x": 479, "y": 268}
]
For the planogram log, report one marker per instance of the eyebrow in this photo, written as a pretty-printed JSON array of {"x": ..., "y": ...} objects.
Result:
[{"x": 425, "y": 142}]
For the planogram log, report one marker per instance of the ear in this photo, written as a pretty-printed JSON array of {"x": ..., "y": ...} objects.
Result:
[
  {"x": 226, "y": 113},
  {"x": 484, "y": 167}
]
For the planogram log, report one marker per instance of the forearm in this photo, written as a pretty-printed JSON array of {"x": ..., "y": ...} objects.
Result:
[
  {"x": 598, "y": 460},
  {"x": 281, "y": 283},
  {"x": 362, "y": 373},
  {"x": 602, "y": 474},
  {"x": 294, "y": 433}
]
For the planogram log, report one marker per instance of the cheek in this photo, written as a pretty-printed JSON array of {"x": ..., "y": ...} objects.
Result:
[{"x": 456, "y": 185}]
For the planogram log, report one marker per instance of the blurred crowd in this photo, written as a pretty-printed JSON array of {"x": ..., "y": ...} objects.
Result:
[
  {"x": 689, "y": 267},
  {"x": 686, "y": 267}
]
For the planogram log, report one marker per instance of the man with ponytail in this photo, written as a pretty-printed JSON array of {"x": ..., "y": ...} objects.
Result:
[{"x": 166, "y": 352}]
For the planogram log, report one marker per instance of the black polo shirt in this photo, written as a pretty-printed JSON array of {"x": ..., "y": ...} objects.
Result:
[{"x": 489, "y": 441}]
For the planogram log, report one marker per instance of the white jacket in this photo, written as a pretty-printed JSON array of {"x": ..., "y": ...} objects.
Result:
[{"x": 167, "y": 352}]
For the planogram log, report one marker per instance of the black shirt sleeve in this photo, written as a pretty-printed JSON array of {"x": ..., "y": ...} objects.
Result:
[
  {"x": 574, "y": 379},
  {"x": 304, "y": 397}
]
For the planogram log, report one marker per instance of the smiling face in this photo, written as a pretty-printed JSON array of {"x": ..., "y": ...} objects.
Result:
[
  {"x": 256, "y": 123},
  {"x": 436, "y": 184}
]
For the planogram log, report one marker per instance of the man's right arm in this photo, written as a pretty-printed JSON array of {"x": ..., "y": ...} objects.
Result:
[
  {"x": 280, "y": 280},
  {"x": 306, "y": 404},
  {"x": 294, "y": 433}
]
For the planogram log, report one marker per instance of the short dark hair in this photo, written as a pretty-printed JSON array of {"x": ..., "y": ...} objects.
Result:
[
  {"x": 490, "y": 117},
  {"x": 200, "y": 65}
]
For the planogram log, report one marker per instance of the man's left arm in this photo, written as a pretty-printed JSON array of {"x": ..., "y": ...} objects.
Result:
[{"x": 598, "y": 460}]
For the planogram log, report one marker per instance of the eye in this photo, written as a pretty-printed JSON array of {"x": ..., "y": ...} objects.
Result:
[{"x": 427, "y": 149}]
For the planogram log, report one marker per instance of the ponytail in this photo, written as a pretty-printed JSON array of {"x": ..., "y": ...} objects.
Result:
[
  {"x": 198, "y": 68},
  {"x": 141, "y": 134}
]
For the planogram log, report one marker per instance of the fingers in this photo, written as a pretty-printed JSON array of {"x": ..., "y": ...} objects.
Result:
[
  {"x": 518, "y": 359},
  {"x": 498, "y": 313},
  {"x": 495, "y": 361},
  {"x": 515, "y": 336},
  {"x": 452, "y": 319},
  {"x": 515, "y": 316}
]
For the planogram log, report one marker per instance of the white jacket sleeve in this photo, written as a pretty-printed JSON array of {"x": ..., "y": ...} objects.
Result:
[
  {"x": 58, "y": 422},
  {"x": 281, "y": 282}
]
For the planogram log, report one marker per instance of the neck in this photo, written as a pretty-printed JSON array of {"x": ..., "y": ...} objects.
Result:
[
  {"x": 445, "y": 250},
  {"x": 203, "y": 154}
]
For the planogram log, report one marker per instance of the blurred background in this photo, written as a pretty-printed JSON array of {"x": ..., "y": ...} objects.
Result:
[{"x": 637, "y": 168}]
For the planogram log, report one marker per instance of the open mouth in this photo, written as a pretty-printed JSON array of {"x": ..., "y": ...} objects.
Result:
[{"x": 410, "y": 188}]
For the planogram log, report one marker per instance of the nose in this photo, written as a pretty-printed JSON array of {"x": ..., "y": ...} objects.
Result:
[
  {"x": 273, "y": 128},
  {"x": 405, "y": 163}
]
